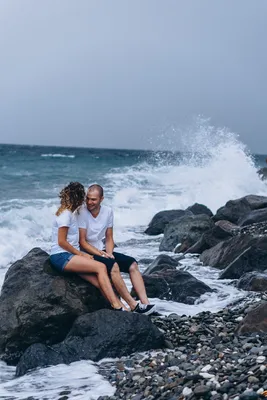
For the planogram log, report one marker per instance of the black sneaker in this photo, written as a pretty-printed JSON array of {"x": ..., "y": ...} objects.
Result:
[{"x": 145, "y": 309}]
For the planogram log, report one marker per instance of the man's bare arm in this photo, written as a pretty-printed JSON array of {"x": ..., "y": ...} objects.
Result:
[{"x": 109, "y": 241}]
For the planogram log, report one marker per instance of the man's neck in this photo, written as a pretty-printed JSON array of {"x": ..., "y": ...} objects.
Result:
[{"x": 95, "y": 212}]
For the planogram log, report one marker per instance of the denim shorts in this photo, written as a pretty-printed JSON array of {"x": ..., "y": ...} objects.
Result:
[{"x": 60, "y": 260}]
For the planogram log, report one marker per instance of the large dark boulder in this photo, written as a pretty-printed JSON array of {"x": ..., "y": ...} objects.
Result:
[
  {"x": 163, "y": 218},
  {"x": 39, "y": 305},
  {"x": 233, "y": 210},
  {"x": 256, "y": 202},
  {"x": 93, "y": 336},
  {"x": 253, "y": 281},
  {"x": 163, "y": 261},
  {"x": 175, "y": 285},
  {"x": 221, "y": 231},
  {"x": 254, "y": 217},
  {"x": 255, "y": 321},
  {"x": 254, "y": 258},
  {"x": 197, "y": 209},
  {"x": 186, "y": 230},
  {"x": 221, "y": 255}
]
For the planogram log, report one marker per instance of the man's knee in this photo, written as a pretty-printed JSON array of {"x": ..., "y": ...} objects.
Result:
[
  {"x": 115, "y": 270},
  {"x": 134, "y": 267}
]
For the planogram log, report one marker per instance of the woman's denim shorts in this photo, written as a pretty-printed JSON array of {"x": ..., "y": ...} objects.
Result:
[{"x": 60, "y": 260}]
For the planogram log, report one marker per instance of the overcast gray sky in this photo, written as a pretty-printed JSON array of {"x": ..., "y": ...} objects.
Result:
[{"x": 116, "y": 73}]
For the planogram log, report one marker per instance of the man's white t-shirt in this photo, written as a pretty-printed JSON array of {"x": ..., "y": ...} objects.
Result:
[
  {"x": 69, "y": 219},
  {"x": 95, "y": 227}
]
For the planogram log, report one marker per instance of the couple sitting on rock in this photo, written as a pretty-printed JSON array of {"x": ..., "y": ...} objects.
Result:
[{"x": 78, "y": 235}]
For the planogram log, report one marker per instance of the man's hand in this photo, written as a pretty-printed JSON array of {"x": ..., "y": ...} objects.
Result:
[
  {"x": 87, "y": 256},
  {"x": 105, "y": 254}
]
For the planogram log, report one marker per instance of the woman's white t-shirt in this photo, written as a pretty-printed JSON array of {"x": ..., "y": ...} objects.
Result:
[{"x": 69, "y": 219}]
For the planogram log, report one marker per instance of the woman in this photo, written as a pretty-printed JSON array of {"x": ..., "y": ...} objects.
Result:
[{"x": 65, "y": 252}]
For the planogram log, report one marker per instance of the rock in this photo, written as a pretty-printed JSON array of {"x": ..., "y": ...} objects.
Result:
[
  {"x": 163, "y": 218},
  {"x": 175, "y": 285},
  {"x": 39, "y": 305},
  {"x": 163, "y": 261},
  {"x": 197, "y": 209},
  {"x": 256, "y": 202},
  {"x": 254, "y": 321},
  {"x": 94, "y": 336},
  {"x": 221, "y": 255},
  {"x": 186, "y": 230},
  {"x": 233, "y": 210},
  {"x": 254, "y": 258},
  {"x": 263, "y": 173},
  {"x": 253, "y": 281},
  {"x": 253, "y": 217},
  {"x": 221, "y": 231}
]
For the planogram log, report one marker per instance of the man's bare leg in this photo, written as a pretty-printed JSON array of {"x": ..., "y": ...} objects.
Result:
[
  {"x": 138, "y": 283},
  {"x": 121, "y": 287},
  {"x": 91, "y": 278}
]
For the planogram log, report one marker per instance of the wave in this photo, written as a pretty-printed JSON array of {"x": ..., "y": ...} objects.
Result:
[{"x": 58, "y": 155}]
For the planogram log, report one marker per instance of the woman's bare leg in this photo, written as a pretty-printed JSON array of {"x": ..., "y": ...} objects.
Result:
[
  {"x": 83, "y": 265},
  {"x": 91, "y": 278}
]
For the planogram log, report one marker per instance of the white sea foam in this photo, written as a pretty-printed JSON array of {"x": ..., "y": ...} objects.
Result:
[
  {"x": 80, "y": 379},
  {"x": 58, "y": 155}
]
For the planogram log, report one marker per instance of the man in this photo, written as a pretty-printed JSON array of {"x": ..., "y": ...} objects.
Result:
[{"x": 96, "y": 227}]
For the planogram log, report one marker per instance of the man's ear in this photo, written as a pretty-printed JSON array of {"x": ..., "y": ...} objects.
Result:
[{"x": 102, "y": 198}]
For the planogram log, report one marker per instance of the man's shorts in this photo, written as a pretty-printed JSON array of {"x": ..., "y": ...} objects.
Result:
[
  {"x": 60, "y": 260},
  {"x": 124, "y": 262}
]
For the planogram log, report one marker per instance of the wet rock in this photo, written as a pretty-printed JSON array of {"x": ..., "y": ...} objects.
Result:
[
  {"x": 254, "y": 321},
  {"x": 221, "y": 231},
  {"x": 93, "y": 336},
  {"x": 163, "y": 218},
  {"x": 197, "y": 209},
  {"x": 254, "y": 217},
  {"x": 253, "y": 281},
  {"x": 254, "y": 258},
  {"x": 163, "y": 261},
  {"x": 186, "y": 230},
  {"x": 263, "y": 173},
  {"x": 175, "y": 285},
  {"x": 39, "y": 305},
  {"x": 233, "y": 210}
]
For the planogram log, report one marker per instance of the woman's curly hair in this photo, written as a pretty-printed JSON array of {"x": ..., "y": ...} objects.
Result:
[{"x": 71, "y": 197}]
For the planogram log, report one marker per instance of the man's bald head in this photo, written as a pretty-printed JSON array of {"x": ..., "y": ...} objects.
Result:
[{"x": 97, "y": 188}]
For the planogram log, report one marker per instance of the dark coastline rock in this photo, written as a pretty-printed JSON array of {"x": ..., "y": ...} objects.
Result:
[
  {"x": 186, "y": 230},
  {"x": 163, "y": 261},
  {"x": 175, "y": 285},
  {"x": 163, "y": 218},
  {"x": 254, "y": 321},
  {"x": 263, "y": 173},
  {"x": 253, "y": 258},
  {"x": 221, "y": 231},
  {"x": 236, "y": 210},
  {"x": 197, "y": 209},
  {"x": 39, "y": 305},
  {"x": 94, "y": 336},
  {"x": 221, "y": 255},
  {"x": 253, "y": 281},
  {"x": 233, "y": 210},
  {"x": 254, "y": 217}
]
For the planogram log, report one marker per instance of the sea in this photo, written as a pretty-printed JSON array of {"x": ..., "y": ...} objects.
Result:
[{"x": 214, "y": 167}]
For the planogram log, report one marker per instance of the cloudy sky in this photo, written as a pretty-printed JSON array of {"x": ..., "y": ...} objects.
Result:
[{"x": 121, "y": 73}]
